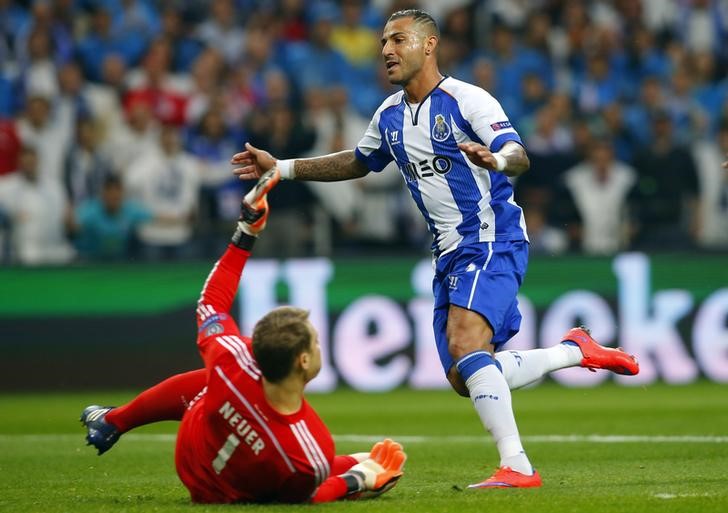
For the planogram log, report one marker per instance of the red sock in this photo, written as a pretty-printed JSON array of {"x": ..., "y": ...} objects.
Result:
[{"x": 166, "y": 401}]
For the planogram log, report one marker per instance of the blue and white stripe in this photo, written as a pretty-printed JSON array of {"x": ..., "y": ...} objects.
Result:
[{"x": 461, "y": 203}]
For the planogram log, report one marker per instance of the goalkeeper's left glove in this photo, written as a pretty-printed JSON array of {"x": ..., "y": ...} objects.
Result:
[{"x": 378, "y": 473}]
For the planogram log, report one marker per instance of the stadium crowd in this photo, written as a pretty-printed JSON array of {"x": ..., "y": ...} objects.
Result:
[{"x": 118, "y": 119}]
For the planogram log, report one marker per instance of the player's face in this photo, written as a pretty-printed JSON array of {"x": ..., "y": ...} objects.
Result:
[
  {"x": 403, "y": 49},
  {"x": 314, "y": 365}
]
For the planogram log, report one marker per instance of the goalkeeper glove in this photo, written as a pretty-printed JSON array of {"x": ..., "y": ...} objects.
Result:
[
  {"x": 254, "y": 209},
  {"x": 378, "y": 473}
]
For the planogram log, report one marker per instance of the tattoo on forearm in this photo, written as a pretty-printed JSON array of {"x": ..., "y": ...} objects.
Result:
[{"x": 330, "y": 168}]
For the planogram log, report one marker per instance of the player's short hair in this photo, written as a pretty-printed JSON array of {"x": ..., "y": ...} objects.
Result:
[
  {"x": 278, "y": 338},
  {"x": 420, "y": 17}
]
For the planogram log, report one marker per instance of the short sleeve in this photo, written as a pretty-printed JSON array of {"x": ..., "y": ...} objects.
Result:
[
  {"x": 488, "y": 120},
  {"x": 372, "y": 150}
]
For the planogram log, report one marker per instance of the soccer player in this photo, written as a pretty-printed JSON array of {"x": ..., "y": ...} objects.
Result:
[
  {"x": 247, "y": 432},
  {"x": 455, "y": 148}
]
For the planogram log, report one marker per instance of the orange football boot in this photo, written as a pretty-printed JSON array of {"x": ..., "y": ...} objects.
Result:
[
  {"x": 600, "y": 357},
  {"x": 506, "y": 477}
]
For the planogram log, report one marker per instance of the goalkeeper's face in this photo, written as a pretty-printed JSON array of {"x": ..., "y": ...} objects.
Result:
[{"x": 311, "y": 359}]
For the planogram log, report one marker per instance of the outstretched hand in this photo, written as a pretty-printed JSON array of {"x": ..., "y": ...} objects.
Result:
[
  {"x": 380, "y": 471},
  {"x": 479, "y": 155},
  {"x": 254, "y": 207},
  {"x": 253, "y": 162}
]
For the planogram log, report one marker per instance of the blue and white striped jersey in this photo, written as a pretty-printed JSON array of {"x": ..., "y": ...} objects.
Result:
[{"x": 462, "y": 203}]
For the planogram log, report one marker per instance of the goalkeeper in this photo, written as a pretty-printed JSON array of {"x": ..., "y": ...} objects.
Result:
[{"x": 247, "y": 432}]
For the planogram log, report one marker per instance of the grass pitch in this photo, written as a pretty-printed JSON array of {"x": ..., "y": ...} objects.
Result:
[{"x": 608, "y": 449}]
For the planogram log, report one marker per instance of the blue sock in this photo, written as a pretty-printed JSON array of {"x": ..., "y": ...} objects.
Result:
[{"x": 473, "y": 362}]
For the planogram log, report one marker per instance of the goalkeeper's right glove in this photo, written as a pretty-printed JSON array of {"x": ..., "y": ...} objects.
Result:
[
  {"x": 254, "y": 209},
  {"x": 378, "y": 473}
]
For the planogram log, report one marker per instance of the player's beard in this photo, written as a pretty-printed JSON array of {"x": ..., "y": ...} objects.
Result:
[{"x": 401, "y": 78}]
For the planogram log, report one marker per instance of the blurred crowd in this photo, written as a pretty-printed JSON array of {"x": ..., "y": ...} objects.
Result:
[{"x": 118, "y": 119}]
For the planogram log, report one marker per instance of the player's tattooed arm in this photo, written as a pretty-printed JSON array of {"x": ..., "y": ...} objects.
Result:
[
  {"x": 253, "y": 162},
  {"x": 330, "y": 168}
]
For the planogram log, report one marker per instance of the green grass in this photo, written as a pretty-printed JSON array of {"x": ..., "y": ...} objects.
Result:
[{"x": 44, "y": 466}]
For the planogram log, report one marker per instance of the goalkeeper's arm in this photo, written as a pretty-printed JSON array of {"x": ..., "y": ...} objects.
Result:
[
  {"x": 369, "y": 478},
  {"x": 221, "y": 286}
]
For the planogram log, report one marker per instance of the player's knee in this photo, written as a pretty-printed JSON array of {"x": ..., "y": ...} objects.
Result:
[
  {"x": 457, "y": 383},
  {"x": 461, "y": 342},
  {"x": 467, "y": 332}
]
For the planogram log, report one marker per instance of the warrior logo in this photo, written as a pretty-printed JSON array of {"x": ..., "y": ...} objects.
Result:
[
  {"x": 453, "y": 281},
  {"x": 441, "y": 130}
]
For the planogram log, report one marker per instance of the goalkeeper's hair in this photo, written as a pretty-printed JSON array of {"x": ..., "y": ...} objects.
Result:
[
  {"x": 420, "y": 17},
  {"x": 278, "y": 338}
]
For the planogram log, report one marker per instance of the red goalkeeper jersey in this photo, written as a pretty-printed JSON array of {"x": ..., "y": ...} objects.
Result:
[{"x": 232, "y": 445}]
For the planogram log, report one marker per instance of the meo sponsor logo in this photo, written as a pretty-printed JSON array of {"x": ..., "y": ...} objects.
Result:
[{"x": 413, "y": 171}]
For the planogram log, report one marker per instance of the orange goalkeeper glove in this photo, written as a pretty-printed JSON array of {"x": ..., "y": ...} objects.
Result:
[
  {"x": 378, "y": 473},
  {"x": 254, "y": 207},
  {"x": 254, "y": 210}
]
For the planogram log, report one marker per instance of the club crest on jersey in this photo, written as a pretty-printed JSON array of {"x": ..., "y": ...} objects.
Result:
[{"x": 440, "y": 130}]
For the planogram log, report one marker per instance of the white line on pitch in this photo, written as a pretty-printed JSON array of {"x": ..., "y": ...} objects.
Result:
[
  {"x": 669, "y": 496},
  {"x": 605, "y": 439}
]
